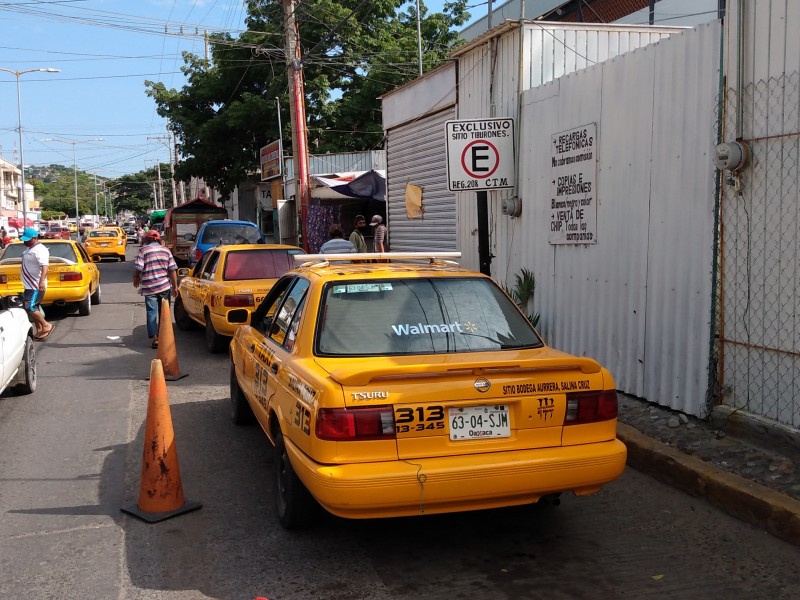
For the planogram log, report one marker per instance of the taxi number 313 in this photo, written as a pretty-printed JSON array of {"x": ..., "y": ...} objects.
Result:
[{"x": 418, "y": 418}]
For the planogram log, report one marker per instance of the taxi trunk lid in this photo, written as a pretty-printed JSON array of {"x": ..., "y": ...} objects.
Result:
[{"x": 472, "y": 404}]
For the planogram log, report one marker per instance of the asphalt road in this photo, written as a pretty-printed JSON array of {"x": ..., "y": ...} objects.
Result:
[{"x": 70, "y": 457}]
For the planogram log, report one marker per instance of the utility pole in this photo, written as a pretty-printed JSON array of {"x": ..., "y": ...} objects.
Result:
[
  {"x": 166, "y": 140},
  {"x": 297, "y": 113}
]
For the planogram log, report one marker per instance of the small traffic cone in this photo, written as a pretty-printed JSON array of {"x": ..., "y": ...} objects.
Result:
[
  {"x": 167, "y": 353},
  {"x": 160, "y": 488}
]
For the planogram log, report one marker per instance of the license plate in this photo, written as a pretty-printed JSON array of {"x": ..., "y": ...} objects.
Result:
[
  {"x": 479, "y": 422},
  {"x": 103, "y": 244}
]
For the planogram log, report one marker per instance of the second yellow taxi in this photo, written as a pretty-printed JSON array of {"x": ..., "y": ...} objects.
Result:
[
  {"x": 72, "y": 277},
  {"x": 226, "y": 285},
  {"x": 106, "y": 242}
]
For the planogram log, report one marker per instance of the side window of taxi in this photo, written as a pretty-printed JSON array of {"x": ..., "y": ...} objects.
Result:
[
  {"x": 284, "y": 325},
  {"x": 83, "y": 254},
  {"x": 210, "y": 265},
  {"x": 261, "y": 318}
]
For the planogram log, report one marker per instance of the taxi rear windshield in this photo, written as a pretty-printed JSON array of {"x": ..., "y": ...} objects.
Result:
[
  {"x": 230, "y": 234},
  {"x": 419, "y": 316},
  {"x": 65, "y": 251},
  {"x": 101, "y": 233},
  {"x": 257, "y": 264}
]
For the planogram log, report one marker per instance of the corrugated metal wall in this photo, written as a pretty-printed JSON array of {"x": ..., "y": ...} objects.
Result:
[
  {"x": 640, "y": 299},
  {"x": 550, "y": 50},
  {"x": 416, "y": 154},
  {"x": 759, "y": 327}
]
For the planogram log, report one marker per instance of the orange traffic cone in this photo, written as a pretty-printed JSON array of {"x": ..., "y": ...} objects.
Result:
[
  {"x": 160, "y": 488},
  {"x": 167, "y": 353}
]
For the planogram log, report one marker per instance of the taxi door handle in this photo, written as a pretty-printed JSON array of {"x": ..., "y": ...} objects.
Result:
[
  {"x": 252, "y": 347},
  {"x": 274, "y": 368}
]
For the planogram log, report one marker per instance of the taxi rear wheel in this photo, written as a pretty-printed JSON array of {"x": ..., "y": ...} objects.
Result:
[
  {"x": 241, "y": 413},
  {"x": 85, "y": 306},
  {"x": 294, "y": 504},
  {"x": 214, "y": 341},
  {"x": 96, "y": 297}
]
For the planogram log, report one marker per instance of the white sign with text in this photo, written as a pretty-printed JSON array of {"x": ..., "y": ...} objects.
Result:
[
  {"x": 573, "y": 190},
  {"x": 480, "y": 154}
]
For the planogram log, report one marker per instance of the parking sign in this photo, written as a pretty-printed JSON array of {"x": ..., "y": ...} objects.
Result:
[{"x": 480, "y": 154}]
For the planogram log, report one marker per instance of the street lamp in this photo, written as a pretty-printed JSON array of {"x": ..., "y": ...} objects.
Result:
[
  {"x": 74, "y": 170},
  {"x": 19, "y": 117}
]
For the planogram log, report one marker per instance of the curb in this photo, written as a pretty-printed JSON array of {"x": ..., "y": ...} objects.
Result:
[{"x": 751, "y": 502}]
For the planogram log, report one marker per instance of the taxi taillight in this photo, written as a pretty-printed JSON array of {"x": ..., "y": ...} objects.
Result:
[
  {"x": 70, "y": 276},
  {"x": 121, "y": 242},
  {"x": 343, "y": 424},
  {"x": 3, "y": 278},
  {"x": 238, "y": 300},
  {"x": 590, "y": 407},
  {"x": 198, "y": 254}
]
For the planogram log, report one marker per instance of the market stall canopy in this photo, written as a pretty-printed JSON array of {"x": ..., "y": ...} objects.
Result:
[
  {"x": 356, "y": 184},
  {"x": 17, "y": 222}
]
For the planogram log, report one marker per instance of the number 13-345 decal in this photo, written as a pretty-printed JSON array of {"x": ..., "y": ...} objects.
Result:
[{"x": 418, "y": 418}]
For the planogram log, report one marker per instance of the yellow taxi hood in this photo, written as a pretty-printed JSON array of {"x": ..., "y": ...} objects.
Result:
[{"x": 353, "y": 371}]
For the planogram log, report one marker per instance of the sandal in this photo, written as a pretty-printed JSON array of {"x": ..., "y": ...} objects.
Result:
[
  {"x": 45, "y": 335},
  {"x": 154, "y": 344}
]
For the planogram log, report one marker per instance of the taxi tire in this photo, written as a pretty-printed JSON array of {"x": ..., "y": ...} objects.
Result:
[
  {"x": 294, "y": 504},
  {"x": 182, "y": 318},
  {"x": 241, "y": 413},
  {"x": 215, "y": 342},
  {"x": 28, "y": 368},
  {"x": 96, "y": 298},
  {"x": 85, "y": 306}
]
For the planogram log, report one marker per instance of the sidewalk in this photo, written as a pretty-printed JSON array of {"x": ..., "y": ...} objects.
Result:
[{"x": 740, "y": 474}]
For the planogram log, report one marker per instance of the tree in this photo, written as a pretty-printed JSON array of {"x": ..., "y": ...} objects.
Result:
[
  {"x": 226, "y": 111},
  {"x": 55, "y": 186}
]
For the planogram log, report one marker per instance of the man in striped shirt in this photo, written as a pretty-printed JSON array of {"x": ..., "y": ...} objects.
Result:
[{"x": 156, "y": 276}]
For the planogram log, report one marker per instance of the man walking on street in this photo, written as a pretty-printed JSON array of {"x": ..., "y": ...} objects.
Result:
[
  {"x": 380, "y": 234},
  {"x": 156, "y": 276},
  {"x": 33, "y": 271}
]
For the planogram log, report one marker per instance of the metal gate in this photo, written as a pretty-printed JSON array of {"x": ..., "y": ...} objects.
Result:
[
  {"x": 759, "y": 343},
  {"x": 416, "y": 154}
]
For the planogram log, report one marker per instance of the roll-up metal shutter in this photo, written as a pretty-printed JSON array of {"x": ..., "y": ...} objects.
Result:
[{"x": 416, "y": 153}]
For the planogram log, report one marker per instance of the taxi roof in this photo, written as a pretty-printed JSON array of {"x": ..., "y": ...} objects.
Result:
[{"x": 391, "y": 263}]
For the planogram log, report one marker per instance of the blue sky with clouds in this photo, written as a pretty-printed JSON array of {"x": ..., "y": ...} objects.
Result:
[{"x": 105, "y": 50}]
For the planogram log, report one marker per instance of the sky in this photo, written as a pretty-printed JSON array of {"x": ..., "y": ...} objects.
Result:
[{"x": 94, "y": 113}]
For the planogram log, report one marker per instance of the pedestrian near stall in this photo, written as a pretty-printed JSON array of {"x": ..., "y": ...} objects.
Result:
[
  {"x": 337, "y": 244},
  {"x": 357, "y": 237},
  {"x": 379, "y": 243},
  {"x": 156, "y": 276},
  {"x": 33, "y": 272}
]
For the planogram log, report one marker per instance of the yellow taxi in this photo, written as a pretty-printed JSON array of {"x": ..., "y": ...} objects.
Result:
[
  {"x": 226, "y": 285},
  {"x": 72, "y": 277},
  {"x": 106, "y": 242},
  {"x": 413, "y": 386}
]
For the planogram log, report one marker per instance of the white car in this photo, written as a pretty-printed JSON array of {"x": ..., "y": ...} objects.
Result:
[{"x": 16, "y": 347}]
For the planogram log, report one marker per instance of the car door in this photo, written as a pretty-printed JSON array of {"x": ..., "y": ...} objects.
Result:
[
  {"x": 257, "y": 352},
  {"x": 205, "y": 283},
  {"x": 189, "y": 289}
]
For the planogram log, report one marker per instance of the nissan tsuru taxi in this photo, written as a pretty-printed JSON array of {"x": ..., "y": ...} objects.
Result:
[
  {"x": 411, "y": 388},
  {"x": 226, "y": 285},
  {"x": 106, "y": 242},
  {"x": 72, "y": 277}
]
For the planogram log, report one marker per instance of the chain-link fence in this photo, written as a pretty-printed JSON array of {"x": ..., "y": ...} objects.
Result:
[{"x": 759, "y": 267}]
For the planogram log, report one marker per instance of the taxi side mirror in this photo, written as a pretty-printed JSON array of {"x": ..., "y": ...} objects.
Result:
[{"x": 183, "y": 272}]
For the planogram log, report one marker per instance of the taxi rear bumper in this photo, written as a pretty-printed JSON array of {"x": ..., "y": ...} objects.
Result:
[{"x": 458, "y": 483}]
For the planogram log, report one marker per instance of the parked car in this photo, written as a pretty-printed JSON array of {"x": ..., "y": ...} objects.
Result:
[
  {"x": 56, "y": 232},
  {"x": 18, "y": 351},
  {"x": 223, "y": 232},
  {"x": 12, "y": 232},
  {"x": 72, "y": 277},
  {"x": 227, "y": 284},
  {"x": 406, "y": 388},
  {"x": 106, "y": 242}
]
